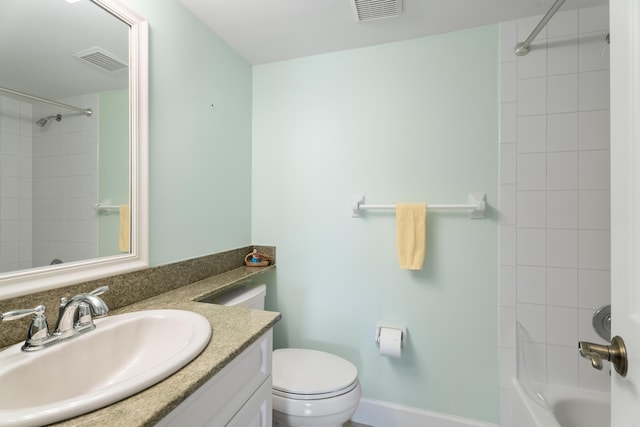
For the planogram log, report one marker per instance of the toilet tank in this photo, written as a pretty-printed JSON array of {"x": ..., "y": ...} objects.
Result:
[{"x": 250, "y": 295}]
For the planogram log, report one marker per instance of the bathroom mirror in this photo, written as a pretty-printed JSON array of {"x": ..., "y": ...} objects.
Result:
[{"x": 73, "y": 143}]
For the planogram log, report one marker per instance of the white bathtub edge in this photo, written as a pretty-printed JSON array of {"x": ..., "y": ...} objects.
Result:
[
  {"x": 526, "y": 412},
  {"x": 378, "y": 413},
  {"x": 585, "y": 407}
]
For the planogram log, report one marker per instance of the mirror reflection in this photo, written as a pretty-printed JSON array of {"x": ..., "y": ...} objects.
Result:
[{"x": 64, "y": 170}]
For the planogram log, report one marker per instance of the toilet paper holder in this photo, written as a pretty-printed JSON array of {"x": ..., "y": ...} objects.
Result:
[{"x": 379, "y": 327}]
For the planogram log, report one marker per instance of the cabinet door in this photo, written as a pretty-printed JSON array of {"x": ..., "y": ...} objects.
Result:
[
  {"x": 257, "y": 411},
  {"x": 219, "y": 399}
]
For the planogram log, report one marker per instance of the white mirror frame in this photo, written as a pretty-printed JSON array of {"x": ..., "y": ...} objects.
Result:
[{"x": 25, "y": 282}]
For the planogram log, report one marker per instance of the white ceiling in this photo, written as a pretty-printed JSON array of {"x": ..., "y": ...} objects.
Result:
[
  {"x": 266, "y": 31},
  {"x": 38, "y": 38}
]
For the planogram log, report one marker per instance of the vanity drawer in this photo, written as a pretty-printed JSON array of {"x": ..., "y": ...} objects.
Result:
[{"x": 220, "y": 398}]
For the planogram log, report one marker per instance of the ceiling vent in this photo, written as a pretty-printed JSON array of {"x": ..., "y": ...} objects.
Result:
[
  {"x": 369, "y": 10},
  {"x": 102, "y": 59}
]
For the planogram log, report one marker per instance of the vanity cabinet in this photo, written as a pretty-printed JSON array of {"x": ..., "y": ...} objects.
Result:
[{"x": 239, "y": 395}]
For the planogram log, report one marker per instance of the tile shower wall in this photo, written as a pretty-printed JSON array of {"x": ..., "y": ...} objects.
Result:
[
  {"x": 554, "y": 197},
  {"x": 65, "y": 184},
  {"x": 15, "y": 184}
]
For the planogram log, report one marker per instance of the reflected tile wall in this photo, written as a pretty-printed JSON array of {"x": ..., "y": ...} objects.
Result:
[
  {"x": 15, "y": 184},
  {"x": 65, "y": 183}
]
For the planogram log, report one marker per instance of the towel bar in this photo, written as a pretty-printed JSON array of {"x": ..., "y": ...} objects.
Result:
[{"x": 476, "y": 205}]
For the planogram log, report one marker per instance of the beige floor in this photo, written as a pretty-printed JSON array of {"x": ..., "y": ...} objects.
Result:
[{"x": 352, "y": 424}]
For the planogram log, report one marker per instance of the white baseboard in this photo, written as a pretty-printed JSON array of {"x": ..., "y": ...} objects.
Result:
[{"x": 378, "y": 413}]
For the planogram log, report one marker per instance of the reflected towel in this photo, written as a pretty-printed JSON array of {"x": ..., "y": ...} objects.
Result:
[
  {"x": 411, "y": 234},
  {"x": 125, "y": 233}
]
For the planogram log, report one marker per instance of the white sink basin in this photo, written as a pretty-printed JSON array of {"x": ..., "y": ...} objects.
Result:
[{"x": 125, "y": 354}]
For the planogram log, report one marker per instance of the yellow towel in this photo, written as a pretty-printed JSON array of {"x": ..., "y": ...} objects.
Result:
[
  {"x": 123, "y": 235},
  {"x": 411, "y": 234}
]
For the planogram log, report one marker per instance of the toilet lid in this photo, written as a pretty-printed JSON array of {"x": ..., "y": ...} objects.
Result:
[{"x": 311, "y": 372}]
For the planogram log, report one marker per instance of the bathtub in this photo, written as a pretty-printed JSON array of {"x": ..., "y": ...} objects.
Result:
[{"x": 558, "y": 406}]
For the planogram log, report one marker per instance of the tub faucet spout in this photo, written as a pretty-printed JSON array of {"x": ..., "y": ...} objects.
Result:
[
  {"x": 616, "y": 353},
  {"x": 594, "y": 352}
]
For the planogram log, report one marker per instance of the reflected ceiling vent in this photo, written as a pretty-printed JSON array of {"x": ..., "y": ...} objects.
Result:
[
  {"x": 369, "y": 10},
  {"x": 102, "y": 59}
]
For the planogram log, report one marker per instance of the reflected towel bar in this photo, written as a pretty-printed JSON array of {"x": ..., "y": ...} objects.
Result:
[
  {"x": 476, "y": 205},
  {"x": 106, "y": 209}
]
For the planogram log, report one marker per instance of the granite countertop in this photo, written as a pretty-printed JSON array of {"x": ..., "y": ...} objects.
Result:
[{"x": 233, "y": 330}]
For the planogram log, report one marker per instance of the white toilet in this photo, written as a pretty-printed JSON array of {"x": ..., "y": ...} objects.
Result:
[{"x": 310, "y": 387}]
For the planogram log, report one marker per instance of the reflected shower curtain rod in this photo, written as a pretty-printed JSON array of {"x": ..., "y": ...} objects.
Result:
[
  {"x": 523, "y": 48},
  {"x": 86, "y": 111}
]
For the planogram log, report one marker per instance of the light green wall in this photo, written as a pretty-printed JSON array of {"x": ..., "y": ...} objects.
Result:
[
  {"x": 113, "y": 164},
  {"x": 200, "y": 155},
  {"x": 409, "y": 121}
]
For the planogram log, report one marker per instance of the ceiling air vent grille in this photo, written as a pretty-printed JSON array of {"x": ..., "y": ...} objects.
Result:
[
  {"x": 102, "y": 59},
  {"x": 368, "y": 10}
]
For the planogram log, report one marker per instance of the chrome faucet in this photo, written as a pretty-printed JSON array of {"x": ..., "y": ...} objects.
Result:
[{"x": 75, "y": 318}]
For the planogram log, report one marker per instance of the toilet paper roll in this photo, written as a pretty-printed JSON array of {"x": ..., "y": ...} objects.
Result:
[{"x": 390, "y": 342}]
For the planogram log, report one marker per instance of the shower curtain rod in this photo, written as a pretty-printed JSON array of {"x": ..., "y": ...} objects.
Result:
[
  {"x": 86, "y": 111},
  {"x": 523, "y": 48}
]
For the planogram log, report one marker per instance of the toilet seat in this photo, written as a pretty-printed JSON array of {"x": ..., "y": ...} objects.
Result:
[
  {"x": 315, "y": 396},
  {"x": 305, "y": 374}
]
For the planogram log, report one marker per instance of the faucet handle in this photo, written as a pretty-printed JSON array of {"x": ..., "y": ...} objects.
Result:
[
  {"x": 101, "y": 290},
  {"x": 19, "y": 314},
  {"x": 38, "y": 330}
]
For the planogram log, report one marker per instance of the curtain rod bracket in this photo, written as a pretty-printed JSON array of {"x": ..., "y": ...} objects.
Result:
[{"x": 521, "y": 49}]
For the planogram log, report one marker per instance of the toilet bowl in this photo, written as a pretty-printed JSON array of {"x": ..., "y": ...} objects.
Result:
[
  {"x": 310, "y": 388},
  {"x": 313, "y": 388}
]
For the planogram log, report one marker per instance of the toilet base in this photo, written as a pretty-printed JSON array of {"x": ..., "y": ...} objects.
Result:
[
  {"x": 282, "y": 420},
  {"x": 316, "y": 413}
]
